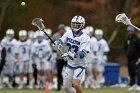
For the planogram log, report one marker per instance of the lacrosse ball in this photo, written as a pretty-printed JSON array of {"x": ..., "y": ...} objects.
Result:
[{"x": 23, "y": 3}]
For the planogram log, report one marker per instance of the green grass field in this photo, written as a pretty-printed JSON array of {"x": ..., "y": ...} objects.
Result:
[{"x": 103, "y": 90}]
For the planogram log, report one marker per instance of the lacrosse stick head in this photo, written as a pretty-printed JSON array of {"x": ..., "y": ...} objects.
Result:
[
  {"x": 123, "y": 19},
  {"x": 38, "y": 22}
]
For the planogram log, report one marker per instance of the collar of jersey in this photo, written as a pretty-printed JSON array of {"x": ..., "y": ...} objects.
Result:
[{"x": 75, "y": 35}]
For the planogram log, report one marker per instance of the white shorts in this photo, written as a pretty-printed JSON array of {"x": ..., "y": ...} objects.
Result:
[
  {"x": 24, "y": 67},
  {"x": 9, "y": 68},
  {"x": 48, "y": 65},
  {"x": 41, "y": 64},
  {"x": 74, "y": 73},
  {"x": 100, "y": 67}
]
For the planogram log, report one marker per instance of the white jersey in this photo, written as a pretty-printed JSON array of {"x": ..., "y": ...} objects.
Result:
[
  {"x": 93, "y": 48},
  {"x": 102, "y": 47},
  {"x": 23, "y": 50},
  {"x": 76, "y": 44},
  {"x": 10, "y": 48},
  {"x": 42, "y": 49}
]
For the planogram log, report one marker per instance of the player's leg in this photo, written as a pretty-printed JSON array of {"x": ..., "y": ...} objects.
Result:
[
  {"x": 30, "y": 75},
  {"x": 100, "y": 77},
  {"x": 11, "y": 72},
  {"x": 68, "y": 75},
  {"x": 88, "y": 76},
  {"x": 49, "y": 74},
  {"x": 78, "y": 75},
  {"x": 1, "y": 79},
  {"x": 42, "y": 73},
  {"x": 59, "y": 73},
  {"x": 22, "y": 71}
]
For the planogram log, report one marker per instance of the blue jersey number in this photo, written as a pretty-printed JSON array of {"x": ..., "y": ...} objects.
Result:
[
  {"x": 24, "y": 50},
  {"x": 100, "y": 46},
  {"x": 73, "y": 47},
  {"x": 9, "y": 50}
]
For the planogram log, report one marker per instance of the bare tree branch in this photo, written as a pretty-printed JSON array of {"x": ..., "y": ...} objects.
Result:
[{"x": 5, "y": 5}]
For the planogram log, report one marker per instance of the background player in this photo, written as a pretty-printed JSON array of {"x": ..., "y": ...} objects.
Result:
[
  {"x": 41, "y": 51},
  {"x": 103, "y": 49},
  {"x": 9, "y": 42}
]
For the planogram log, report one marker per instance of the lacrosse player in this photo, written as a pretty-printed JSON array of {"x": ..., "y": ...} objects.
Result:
[
  {"x": 32, "y": 39},
  {"x": 41, "y": 51},
  {"x": 103, "y": 49},
  {"x": 91, "y": 71},
  {"x": 79, "y": 46},
  {"x": 10, "y": 44},
  {"x": 49, "y": 63},
  {"x": 23, "y": 53}
]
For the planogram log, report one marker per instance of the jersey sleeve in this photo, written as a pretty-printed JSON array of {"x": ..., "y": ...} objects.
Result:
[
  {"x": 64, "y": 37},
  {"x": 106, "y": 47},
  {"x": 93, "y": 45}
]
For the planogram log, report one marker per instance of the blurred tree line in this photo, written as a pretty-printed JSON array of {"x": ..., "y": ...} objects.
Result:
[{"x": 98, "y": 13}]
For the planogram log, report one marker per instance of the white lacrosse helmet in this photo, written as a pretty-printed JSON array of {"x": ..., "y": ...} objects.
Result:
[
  {"x": 39, "y": 35},
  {"x": 98, "y": 33},
  {"x": 10, "y": 34},
  {"x": 48, "y": 31},
  {"x": 31, "y": 34},
  {"x": 77, "y": 24},
  {"x": 89, "y": 30},
  {"x": 22, "y": 35}
]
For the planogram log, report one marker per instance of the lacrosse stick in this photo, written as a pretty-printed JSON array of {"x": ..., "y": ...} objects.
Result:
[
  {"x": 125, "y": 20},
  {"x": 38, "y": 22}
]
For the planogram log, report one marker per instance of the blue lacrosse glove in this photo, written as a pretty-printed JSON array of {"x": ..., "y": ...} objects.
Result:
[{"x": 57, "y": 45}]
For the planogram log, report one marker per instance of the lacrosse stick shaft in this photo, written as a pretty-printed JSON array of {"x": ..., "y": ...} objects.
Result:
[
  {"x": 52, "y": 41},
  {"x": 48, "y": 36},
  {"x": 135, "y": 27}
]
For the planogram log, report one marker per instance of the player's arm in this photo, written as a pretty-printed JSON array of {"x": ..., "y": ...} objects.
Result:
[
  {"x": 106, "y": 50},
  {"x": 3, "y": 55},
  {"x": 85, "y": 48},
  {"x": 60, "y": 42},
  {"x": 16, "y": 52}
]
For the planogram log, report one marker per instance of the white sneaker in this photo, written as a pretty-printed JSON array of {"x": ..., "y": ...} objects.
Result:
[
  {"x": 10, "y": 86},
  {"x": 37, "y": 86},
  {"x": 20, "y": 87},
  {"x": 30, "y": 87},
  {"x": 93, "y": 86},
  {"x": 132, "y": 88},
  {"x": 50, "y": 86},
  {"x": 98, "y": 86},
  {"x": 85, "y": 85},
  {"x": 1, "y": 86},
  {"x": 138, "y": 88}
]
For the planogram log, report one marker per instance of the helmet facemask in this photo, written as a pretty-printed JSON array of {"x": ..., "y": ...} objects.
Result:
[
  {"x": 98, "y": 37},
  {"x": 99, "y": 34},
  {"x": 9, "y": 34},
  {"x": 23, "y": 35},
  {"x": 23, "y": 38}
]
